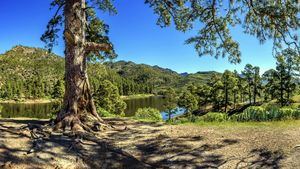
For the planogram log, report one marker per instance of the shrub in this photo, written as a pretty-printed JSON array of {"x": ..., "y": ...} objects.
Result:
[
  {"x": 256, "y": 113},
  {"x": 149, "y": 114},
  {"x": 107, "y": 97},
  {"x": 104, "y": 113},
  {"x": 252, "y": 113}
]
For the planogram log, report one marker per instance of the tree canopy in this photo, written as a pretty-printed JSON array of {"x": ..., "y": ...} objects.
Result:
[{"x": 275, "y": 20}]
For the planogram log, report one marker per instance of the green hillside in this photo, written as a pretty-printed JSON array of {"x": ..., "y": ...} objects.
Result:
[{"x": 31, "y": 73}]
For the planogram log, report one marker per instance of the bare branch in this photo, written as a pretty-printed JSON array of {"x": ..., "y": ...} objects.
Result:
[{"x": 92, "y": 46}]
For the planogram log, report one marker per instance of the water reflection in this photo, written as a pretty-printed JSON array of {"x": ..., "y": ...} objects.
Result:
[
  {"x": 41, "y": 110},
  {"x": 47, "y": 110},
  {"x": 134, "y": 104}
]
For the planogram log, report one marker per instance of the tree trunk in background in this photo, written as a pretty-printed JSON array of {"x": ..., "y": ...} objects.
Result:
[
  {"x": 78, "y": 102},
  {"x": 254, "y": 94},
  {"x": 250, "y": 97},
  {"x": 226, "y": 97}
]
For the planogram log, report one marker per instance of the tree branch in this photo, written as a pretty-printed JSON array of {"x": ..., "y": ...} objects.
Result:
[
  {"x": 92, "y": 46},
  {"x": 58, "y": 9}
]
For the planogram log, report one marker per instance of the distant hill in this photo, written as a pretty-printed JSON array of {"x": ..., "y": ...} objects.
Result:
[
  {"x": 184, "y": 74},
  {"x": 23, "y": 68},
  {"x": 142, "y": 73},
  {"x": 197, "y": 78},
  {"x": 159, "y": 77},
  {"x": 23, "y": 63}
]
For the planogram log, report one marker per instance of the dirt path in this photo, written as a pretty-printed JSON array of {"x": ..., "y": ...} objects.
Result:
[{"x": 155, "y": 145}]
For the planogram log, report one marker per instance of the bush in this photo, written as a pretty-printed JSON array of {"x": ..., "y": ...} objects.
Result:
[
  {"x": 107, "y": 97},
  {"x": 149, "y": 114},
  {"x": 253, "y": 113},
  {"x": 104, "y": 113},
  {"x": 256, "y": 113}
]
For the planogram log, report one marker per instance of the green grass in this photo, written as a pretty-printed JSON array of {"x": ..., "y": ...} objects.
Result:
[
  {"x": 255, "y": 125},
  {"x": 251, "y": 114},
  {"x": 257, "y": 113},
  {"x": 296, "y": 99},
  {"x": 137, "y": 96}
]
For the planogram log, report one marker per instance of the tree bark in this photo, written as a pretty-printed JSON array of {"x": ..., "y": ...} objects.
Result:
[{"x": 78, "y": 102}]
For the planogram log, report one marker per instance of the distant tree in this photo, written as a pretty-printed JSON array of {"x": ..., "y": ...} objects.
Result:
[
  {"x": 58, "y": 90},
  {"x": 188, "y": 101},
  {"x": 192, "y": 88},
  {"x": 292, "y": 66},
  {"x": 256, "y": 83},
  {"x": 236, "y": 88},
  {"x": 242, "y": 87},
  {"x": 285, "y": 67},
  {"x": 216, "y": 91},
  {"x": 170, "y": 102},
  {"x": 229, "y": 82},
  {"x": 248, "y": 73},
  {"x": 270, "y": 80},
  {"x": 203, "y": 94}
]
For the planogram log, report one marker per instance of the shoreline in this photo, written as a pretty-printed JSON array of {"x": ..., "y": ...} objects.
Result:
[
  {"x": 36, "y": 101},
  {"x": 137, "y": 96},
  {"x": 29, "y": 101}
]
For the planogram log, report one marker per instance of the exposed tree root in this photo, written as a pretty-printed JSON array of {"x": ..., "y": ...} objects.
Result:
[{"x": 81, "y": 123}]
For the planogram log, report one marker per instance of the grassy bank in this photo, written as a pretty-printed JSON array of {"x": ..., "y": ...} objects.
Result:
[
  {"x": 251, "y": 124},
  {"x": 137, "y": 96},
  {"x": 251, "y": 114}
]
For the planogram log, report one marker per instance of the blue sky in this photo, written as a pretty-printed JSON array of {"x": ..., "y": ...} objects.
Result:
[{"x": 135, "y": 35}]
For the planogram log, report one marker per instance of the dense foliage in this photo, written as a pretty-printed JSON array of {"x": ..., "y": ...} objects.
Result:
[
  {"x": 251, "y": 114},
  {"x": 107, "y": 97},
  {"x": 215, "y": 19},
  {"x": 233, "y": 90},
  {"x": 33, "y": 73},
  {"x": 148, "y": 114}
]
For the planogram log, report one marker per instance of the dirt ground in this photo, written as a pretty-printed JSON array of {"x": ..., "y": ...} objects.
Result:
[{"x": 136, "y": 144}]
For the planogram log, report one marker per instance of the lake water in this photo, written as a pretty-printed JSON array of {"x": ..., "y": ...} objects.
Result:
[{"x": 43, "y": 110}]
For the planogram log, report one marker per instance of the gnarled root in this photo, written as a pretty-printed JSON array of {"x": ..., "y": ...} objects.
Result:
[{"x": 79, "y": 123}]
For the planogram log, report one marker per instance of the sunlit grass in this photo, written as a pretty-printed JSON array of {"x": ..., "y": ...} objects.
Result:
[
  {"x": 296, "y": 99},
  {"x": 232, "y": 124}
]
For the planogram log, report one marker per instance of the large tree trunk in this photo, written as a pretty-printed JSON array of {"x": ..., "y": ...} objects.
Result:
[{"x": 78, "y": 103}]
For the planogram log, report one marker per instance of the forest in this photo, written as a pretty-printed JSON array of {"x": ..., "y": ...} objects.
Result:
[
  {"x": 228, "y": 92},
  {"x": 71, "y": 111}
]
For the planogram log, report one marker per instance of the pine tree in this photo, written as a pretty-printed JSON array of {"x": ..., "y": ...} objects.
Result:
[
  {"x": 58, "y": 90},
  {"x": 170, "y": 102},
  {"x": 248, "y": 73},
  {"x": 188, "y": 101}
]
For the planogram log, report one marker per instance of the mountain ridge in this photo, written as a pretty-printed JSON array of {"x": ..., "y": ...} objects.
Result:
[{"x": 24, "y": 65}]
